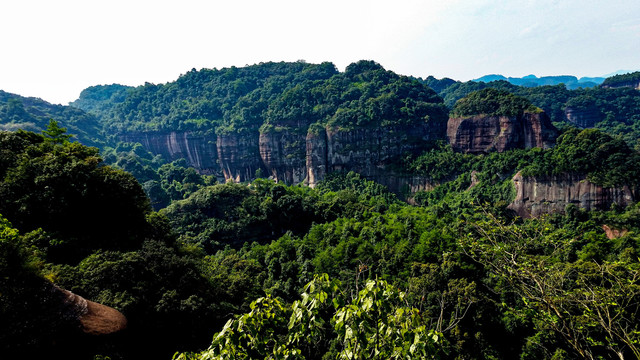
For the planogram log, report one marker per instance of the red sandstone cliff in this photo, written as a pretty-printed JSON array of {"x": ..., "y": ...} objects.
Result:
[
  {"x": 482, "y": 134},
  {"x": 551, "y": 194}
]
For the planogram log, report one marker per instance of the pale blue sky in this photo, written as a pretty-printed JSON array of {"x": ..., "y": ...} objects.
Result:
[{"x": 54, "y": 49}]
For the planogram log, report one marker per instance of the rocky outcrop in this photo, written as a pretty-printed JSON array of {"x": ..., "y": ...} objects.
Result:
[
  {"x": 482, "y": 134},
  {"x": 583, "y": 118},
  {"x": 316, "y": 157},
  {"x": 53, "y": 323},
  {"x": 551, "y": 194},
  {"x": 371, "y": 152},
  {"x": 199, "y": 150},
  {"x": 613, "y": 233},
  {"x": 283, "y": 154},
  {"x": 239, "y": 156},
  {"x": 295, "y": 154},
  {"x": 93, "y": 318},
  {"x": 634, "y": 84},
  {"x": 405, "y": 185}
]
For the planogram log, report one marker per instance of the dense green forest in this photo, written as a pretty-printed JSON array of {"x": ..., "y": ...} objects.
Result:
[
  {"x": 208, "y": 269},
  {"x": 623, "y": 79},
  {"x": 615, "y": 111},
  {"x": 442, "y": 274},
  {"x": 264, "y": 96},
  {"x": 17, "y": 112}
]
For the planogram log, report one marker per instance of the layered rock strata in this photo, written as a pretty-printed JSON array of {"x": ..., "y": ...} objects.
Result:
[
  {"x": 239, "y": 156},
  {"x": 540, "y": 195},
  {"x": 306, "y": 155},
  {"x": 482, "y": 134}
]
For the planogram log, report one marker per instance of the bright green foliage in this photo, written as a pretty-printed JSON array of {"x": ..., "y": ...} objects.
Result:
[
  {"x": 235, "y": 242},
  {"x": 56, "y": 133},
  {"x": 492, "y": 102},
  {"x": 63, "y": 189},
  {"x": 33, "y": 114},
  {"x": 263, "y": 210},
  {"x": 100, "y": 99},
  {"x": 374, "y": 325},
  {"x": 605, "y": 160},
  {"x": 592, "y": 306},
  {"x": 269, "y": 97},
  {"x": 622, "y": 79},
  {"x": 615, "y": 111},
  {"x": 162, "y": 181}
]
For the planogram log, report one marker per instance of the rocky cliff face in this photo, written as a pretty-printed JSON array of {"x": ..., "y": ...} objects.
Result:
[
  {"x": 482, "y": 134},
  {"x": 583, "y": 118},
  {"x": 370, "y": 152},
  {"x": 283, "y": 154},
  {"x": 316, "y": 157},
  {"x": 551, "y": 194},
  {"x": 199, "y": 150},
  {"x": 294, "y": 155},
  {"x": 239, "y": 156},
  {"x": 632, "y": 84}
]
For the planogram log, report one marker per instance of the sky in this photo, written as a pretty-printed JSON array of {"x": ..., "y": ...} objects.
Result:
[{"x": 55, "y": 49}]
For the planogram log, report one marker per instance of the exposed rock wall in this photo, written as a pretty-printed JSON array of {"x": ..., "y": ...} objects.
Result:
[
  {"x": 551, "y": 194},
  {"x": 482, "y": 134},
  {"x": 284, "y": 155},
  {"x": 239, "y": 156},
  {"x": 199, "y": 150},
  {"x": 632, "y": 84},
  {"x": 316, "y": 157},
  {"x": 294, "y": 155},
  {"x": 583, "y": 118},
  {"x": 93, "y": 318},
  {"x": 371, "y": 152},
  {"x": 406, "y": 185}
]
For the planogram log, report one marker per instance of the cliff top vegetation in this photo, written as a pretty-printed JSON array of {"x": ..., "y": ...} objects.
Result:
[
  {"x": 622, "y": 79},
  {"x": 492, "y": 102}
]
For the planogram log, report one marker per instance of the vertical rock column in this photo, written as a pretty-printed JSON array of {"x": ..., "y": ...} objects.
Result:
[{"x": 316, "y": 157}]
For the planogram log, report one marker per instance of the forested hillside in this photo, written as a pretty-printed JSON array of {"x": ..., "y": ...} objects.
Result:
[
  {"x": 17, "y": 112},
  {"x": 178, "y": 275},
  {"x": 613, "y": 110},
  {"x": 193, "y": 219}
]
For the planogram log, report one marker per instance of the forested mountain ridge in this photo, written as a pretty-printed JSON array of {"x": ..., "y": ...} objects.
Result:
[
  {"x": 178, "y": 275},
  {"x": 571, "y": 82},
  {"x": 341, "y": 270},
  {"x": 289, "y": 121},
  {"x": 631, "y": 80},
  {"x": 32, "y": 114},
  {"x": 298, "y": 122},
  {"x": 615, "y": 110}
]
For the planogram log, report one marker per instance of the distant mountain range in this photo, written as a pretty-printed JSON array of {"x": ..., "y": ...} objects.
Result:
[{"x": 570, "y": 81}]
